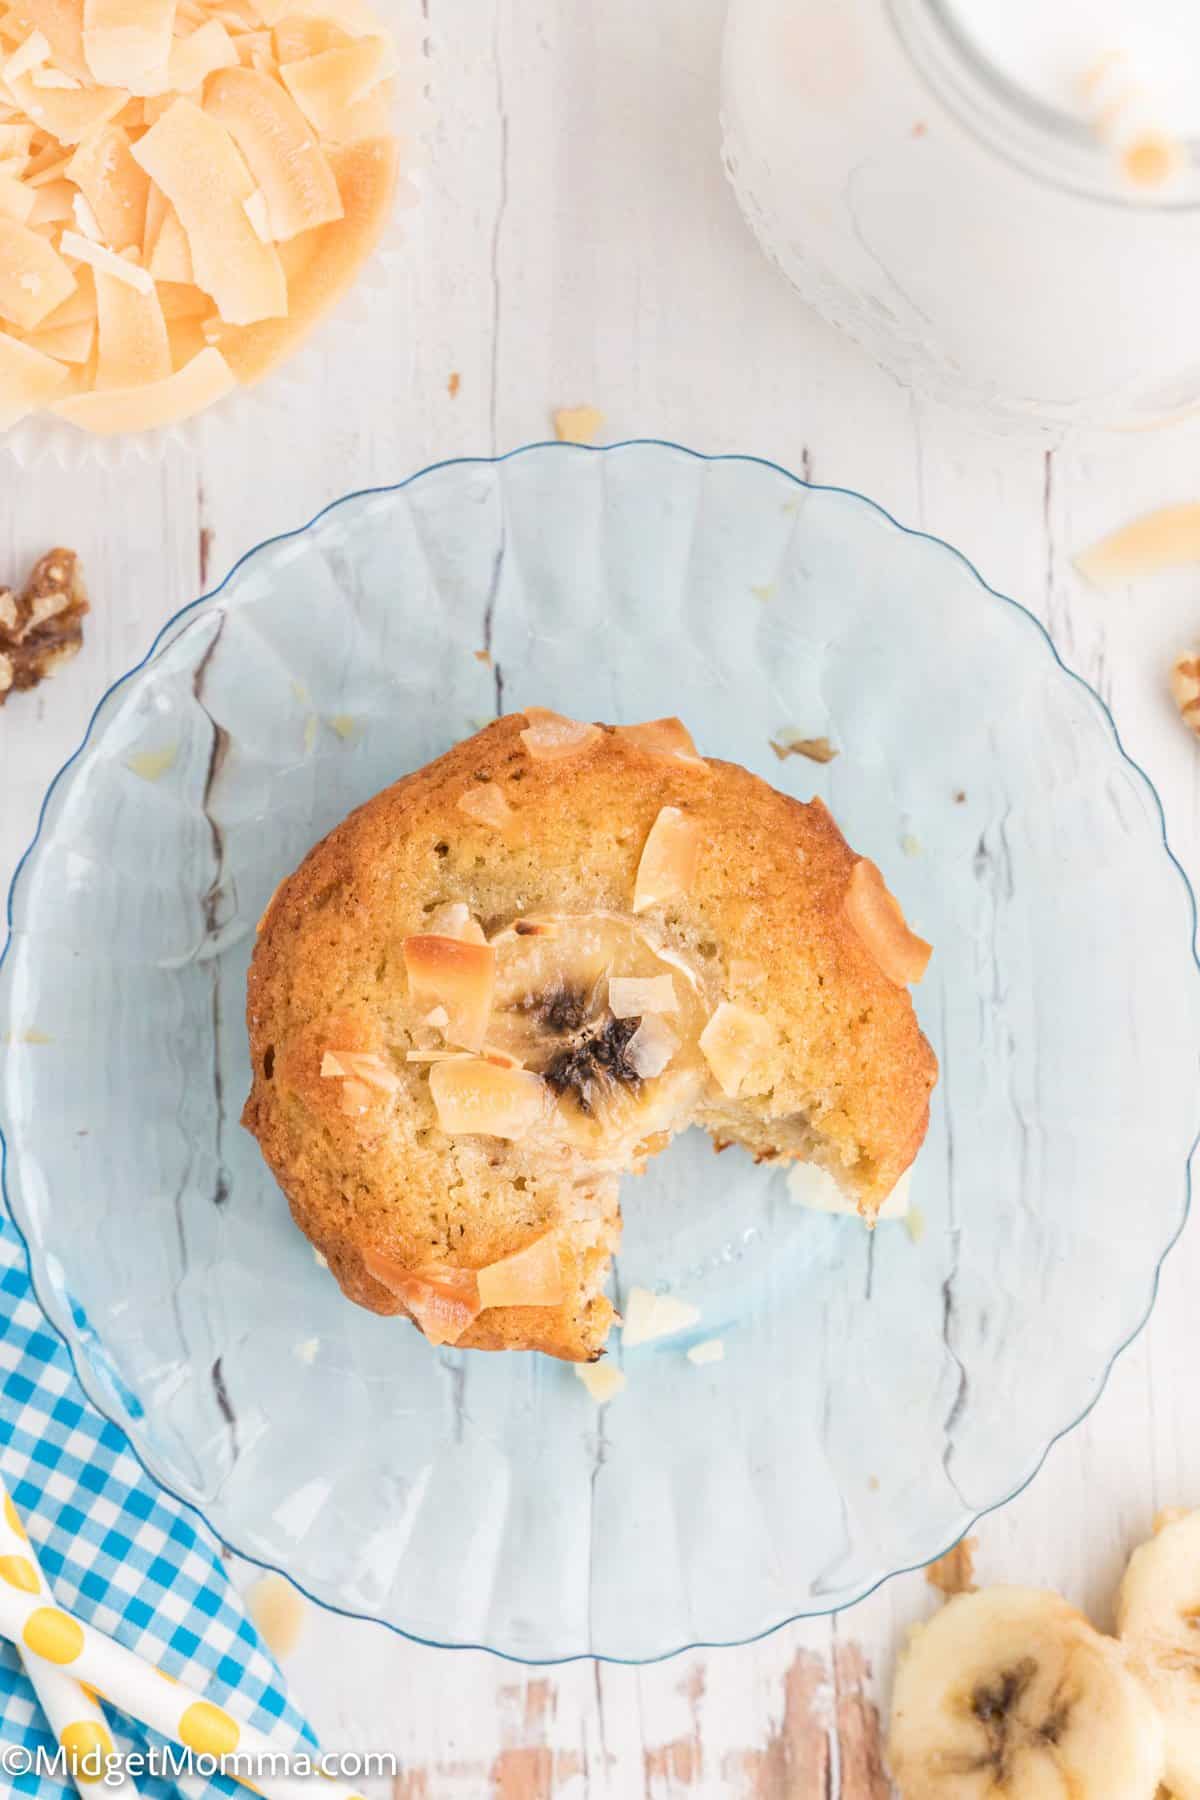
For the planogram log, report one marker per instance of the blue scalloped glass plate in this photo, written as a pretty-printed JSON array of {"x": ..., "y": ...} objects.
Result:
[{"x": 877, "y": 1392}]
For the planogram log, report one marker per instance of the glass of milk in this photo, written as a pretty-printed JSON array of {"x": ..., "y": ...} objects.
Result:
[{"x": 999, "y": 199}]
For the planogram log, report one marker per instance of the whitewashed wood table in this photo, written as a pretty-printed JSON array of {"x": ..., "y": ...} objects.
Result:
[{"x": 577, "y": 242}]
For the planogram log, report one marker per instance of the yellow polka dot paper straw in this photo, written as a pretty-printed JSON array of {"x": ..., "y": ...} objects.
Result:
[
  {"x": 46, "y": 1634},
  {"x": 73, "y": 1715}
]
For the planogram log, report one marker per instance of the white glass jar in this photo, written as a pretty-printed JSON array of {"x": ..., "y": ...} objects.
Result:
[{"x": 979, "y": 238}]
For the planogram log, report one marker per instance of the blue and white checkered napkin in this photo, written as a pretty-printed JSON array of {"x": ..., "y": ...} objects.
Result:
[{"x": 114, "y": 1548}]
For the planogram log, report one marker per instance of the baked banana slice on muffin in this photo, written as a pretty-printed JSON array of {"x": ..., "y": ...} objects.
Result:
[{"x": 514, "y": 975}]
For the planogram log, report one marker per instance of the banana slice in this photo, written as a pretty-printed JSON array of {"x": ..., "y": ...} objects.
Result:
[
  {"x": 1009, "y": 1694},
  {"x": 609, "y": 1017},
  {"x": 1158, "y": 1620}
]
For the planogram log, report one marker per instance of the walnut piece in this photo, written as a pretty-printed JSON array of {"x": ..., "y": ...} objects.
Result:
[
  {"x": 954, "y": 1573},
  {"x": 1185, "y": 690},
  {"x": 43, "y": 625}
]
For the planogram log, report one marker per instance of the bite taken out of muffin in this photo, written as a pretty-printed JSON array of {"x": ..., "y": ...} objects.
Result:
[{"x": 513, "y": 976}]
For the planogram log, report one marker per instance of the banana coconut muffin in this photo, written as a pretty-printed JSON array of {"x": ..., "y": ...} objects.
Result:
[{"x": 513, "y": 976}]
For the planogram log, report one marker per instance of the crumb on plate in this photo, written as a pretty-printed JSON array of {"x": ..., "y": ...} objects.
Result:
[
  {"x": 152, "y": 765},
  {"x": 603, "y": 1380},
  {"x": 649, "y": 1316},
  {"x": 816, "y": 749}
]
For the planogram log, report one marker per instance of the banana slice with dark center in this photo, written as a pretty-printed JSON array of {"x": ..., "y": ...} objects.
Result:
[
  {"x": 1010, "y": 1694},
  {"x": 609, "y": 1016}
]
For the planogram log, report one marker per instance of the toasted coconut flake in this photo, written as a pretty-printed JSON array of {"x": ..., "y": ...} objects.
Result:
[
  {"x": 444, "y": 1301},
  {"x": 369, "y": 1066},
  {"x": 193, "y": 159},
  {"x": 734, "y": 1044},
  {"x": 61, "y": 22},
  {"x": 664, "y": 737},
  {"x": 816, "y": 749},
  {"x": 67, "y": 115},
  {"x": 256, "y": 211},
  {"x": 454, "y": 919},
  {"x": 29, "y": 55},
  {"x": 132, "y": 335},
  {"x": 200, "y": 383},
  {"x": 578, "y": 424},
  {"x": 126, "y": 42},
  {"x": 649, "y": 1316},
  {"x": 603, "y": 1380},
  {"x": 486, "y": 803},
  {"x": 276, "y": 1607},
  {"x": 298, "y": 35},
  {"x": 16, "y": 140},
  {"x": 875, "y": 916},
  {"x": 80, "y": 304},
  {"x": 50, "y": 205},
  {"x": 34, "y": 279},
  {"x": 651, "y": 1047},
  {"x": 631, "y": 996},
  {"x": 712, "y": 1350},
  {"x": 100, "y": 258},
  {"x": 330, "y": 88},
  {"x": 529, "y": 1277},
  {"x": 669, "y": 860},
  {"x": 156, "y": 212},
  {"x": 281, "y": 150},
  {"x": 28, "y": 380},
  {"x": 438, "y": 1018},
  {"x": 476, "y": 1096},
  {"x": 183, "y": 300},
  {"x": 67, "y": 343},
  {"x": 437, "y": 1056},
  {"x": 1166, "y": 539},
  {"x": 549, "y": 736},
  {"x": 193, "y": 59},
  {"x": 364, "y": 1074},
  {"x": 171, "y": 257},
  {"x": 322, "y": 265},
  {"x": 48, "y": 165},
  {"x": 116, "y": 188},
  {"x": 446, "y": 971},
  {"x": 17, "y": 201}
]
